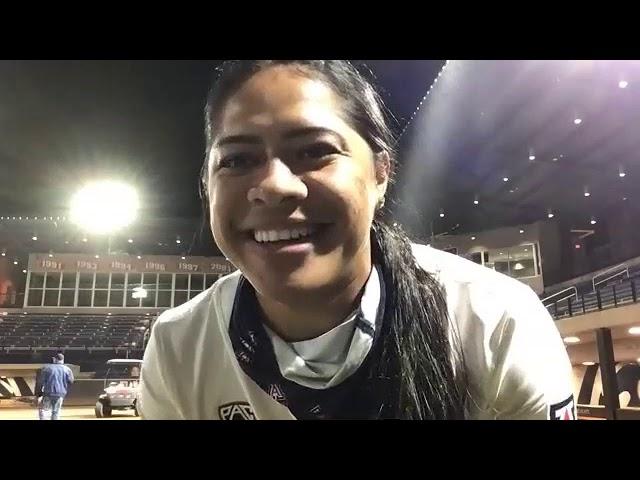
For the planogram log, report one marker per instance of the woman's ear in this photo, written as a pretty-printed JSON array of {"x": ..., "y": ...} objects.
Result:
[{"x": 383, "y": 170}]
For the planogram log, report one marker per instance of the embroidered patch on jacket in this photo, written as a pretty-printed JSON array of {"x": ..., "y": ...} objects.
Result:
[{"x": 565, "y": 410}]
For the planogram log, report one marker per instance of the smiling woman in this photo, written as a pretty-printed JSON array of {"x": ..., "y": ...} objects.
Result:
[{"x": 332, "y": 313}]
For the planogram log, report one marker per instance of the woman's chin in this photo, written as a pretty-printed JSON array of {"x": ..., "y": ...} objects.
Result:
[{"x": 292, "y": 287}]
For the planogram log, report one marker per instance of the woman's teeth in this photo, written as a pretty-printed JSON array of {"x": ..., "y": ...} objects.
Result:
[{"x": 278, "y": 235}]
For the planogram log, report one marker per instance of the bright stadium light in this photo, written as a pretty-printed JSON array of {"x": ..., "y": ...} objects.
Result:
[{"x": 105, "y": 206}]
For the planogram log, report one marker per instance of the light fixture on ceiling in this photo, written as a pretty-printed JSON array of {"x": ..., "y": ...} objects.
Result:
[
  {"x": 139, "y": 257},
  {"x": 15, "y": 262},
  {"x": 570, "y": 340},
  {"x": 51, "y": 255},
  {"x": 593, "y": 220},
  {"x": 97, "y": 256},
  {"x": 182, "y": 258},
  {"x": 178, "y": 241},
  {"x": 441, "y": 213},
  {"x": 634, "y": 331},
  {"x": 475, "y": 200},
  {"x": 621, "y": 172},
  {"x": 577, "y": 121},
  {"x": 518, "y": 266},
  {"x": 139, "y": 292},
  {"x": 24, "y": 271},
  {"x": 521, "y": 231},
  {"x": 550, "y": 213},
  {"x": 34, "y": 238},
  {"x": 473, "y": 238},
  {"x": 526, "y": 249},
  {"x": 85, "y": 240},
  {"x": 554, "y": 159},
  {"x": 623, "y": 84},
  {"x": 587, "y": 193},
  {"x": 578, "y": 247},
  {"x": 130, "y": 240},
  {"x": 532, "y": 157},
  {"x": 505, "y": 179}
]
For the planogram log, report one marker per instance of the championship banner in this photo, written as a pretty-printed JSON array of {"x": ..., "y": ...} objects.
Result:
[{"x": 65, "y": 262}]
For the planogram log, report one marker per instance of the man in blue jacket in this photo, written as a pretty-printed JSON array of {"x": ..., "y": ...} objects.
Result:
[{"x": 52, "y": 384}]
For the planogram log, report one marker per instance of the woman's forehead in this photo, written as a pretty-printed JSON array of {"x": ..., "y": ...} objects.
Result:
[
  {"x": 280, "y": 96},
  {"x": 279, "y": 85}
]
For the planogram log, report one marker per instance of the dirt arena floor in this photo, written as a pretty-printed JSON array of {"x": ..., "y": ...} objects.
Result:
[{"x": 68, "y": 413}]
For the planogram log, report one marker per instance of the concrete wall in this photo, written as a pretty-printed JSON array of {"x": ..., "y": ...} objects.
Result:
[
  {"x": 624, "y": 350},
  {"x": 18, "y": 380},
  {"x": 81, "y": 393},
  {"x": 587, "y": 384},
  {"x": 537, "y": 233},
  {"x": 612, "y": 317}
]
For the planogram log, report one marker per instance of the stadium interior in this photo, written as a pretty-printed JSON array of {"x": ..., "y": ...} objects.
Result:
[{"x": 526, "y": 167}]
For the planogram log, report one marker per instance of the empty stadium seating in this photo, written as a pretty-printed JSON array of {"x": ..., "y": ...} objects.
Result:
[
  {"x": 72, "y": 332},
  {"x": 618, "y": 291}
]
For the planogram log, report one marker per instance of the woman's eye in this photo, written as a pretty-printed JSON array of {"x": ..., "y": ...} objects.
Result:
[
  {"x": 317, "y": 151},
  {"x": 238, "y": 160}
]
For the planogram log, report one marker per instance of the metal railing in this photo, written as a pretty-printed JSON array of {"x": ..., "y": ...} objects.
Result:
[
  {"x": 610, "y": 296},
  {"x": 546, "y": 302},
  {"x": 622, "y": 270}
]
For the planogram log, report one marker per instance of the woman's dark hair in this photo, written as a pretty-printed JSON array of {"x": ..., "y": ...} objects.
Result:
[{"x": 419, "y": 349}]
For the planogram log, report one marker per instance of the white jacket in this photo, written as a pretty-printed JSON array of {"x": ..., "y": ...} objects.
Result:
[{"x": 517, "y": 364}]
